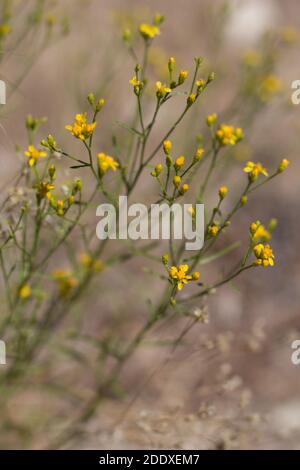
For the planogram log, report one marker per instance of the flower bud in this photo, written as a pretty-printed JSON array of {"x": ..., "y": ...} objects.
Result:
[
  {"x": 179, "y": 162},
  {"x": 52, "y": 171},
  {"x": 223, "y": 192},
  {"x": 176, "y": 181},
  {"x": 165, "y": 259},
  {"x": 283, "y": 165},
  {"x": 171, "y": 64},
  {"x": 182, "y": 76},
  {"x": 167, "y": 145},
  {"x": 91, "y": 99},
  {"x": 211, "y": 119},
  {"x": 191, "y": 99},
  {"x": 199, "y": 154}
]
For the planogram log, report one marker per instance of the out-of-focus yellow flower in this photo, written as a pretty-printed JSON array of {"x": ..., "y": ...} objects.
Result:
[
  {"x": 5, "y": 29},
  {"x": 105, "y": 163},
  {"x": 65, "y": 281},
  {"x": 180, "y": 276},
  {"x": 290, "y": 35},
  {"x": 157, "y": 170},
  {"x": 90, "y": 264},
  {"x": 264, "y": 255},
  {"x": 252, "y": 58},
  {"x": 81, "y": 129},
  {"x": 25, "y": 292},
  {"x": 259, "y": 232},
  {"x": 60, "y": 207},
  {"x": 254, "y": 170},
  {"x": 33, "y": 155},
  {"x": 149, "y": 31},
  {"x": 270, "y": 86},
  {"x": 43, "y": 189},
  {"x": 213, "y": 230},
  {"x": 211, "y": 119},
  {"x": 283, "y": 165},
  {"x": 229, "y": 135}
]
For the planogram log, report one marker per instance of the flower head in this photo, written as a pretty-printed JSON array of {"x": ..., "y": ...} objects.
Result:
[
  {"x": 105, "y": 163},
  {"x": 223, "y": 191},
  {"x": 213, "y": 230},
  {"x": 25, "y": 292},
  {"x": 254, "y": 170},
  {"x": 34, "y": 154},
  {"x": 229, "y": 135},
  {"x": 162, "y": 89},
  {"x": 149, "y": 31},
  {"x": 180, "y": 276},
  {"x": 81, "y": 129},
  {"x": 264, "y": 255},
  {"x": 90, "y": 264},
  {"x": 43, "y": 189}
]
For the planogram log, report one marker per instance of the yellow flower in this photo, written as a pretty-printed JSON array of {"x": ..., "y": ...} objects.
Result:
[
  {"x": 81, "y": 129},
  {"x": 105, "y": 163},
  {"x": 90, "y": 264},
  {"x": 25, "y": 292},
  {"x": 134, "y": 81},
  {"x": 171, "y": 64},
  {"x": 43, "y": 189},
  {"x": 269, "y": 86},
  {"x": 264, "y": 255},
  {"x": 183, "y": 75},
  {"x": 176, "y": 181},
  {"x": 211, "y": 119},
  {"x": 180, "y": 276},
  {"x": 5, "y": 29},
  {"x": 167, "y": 145},
  {"x": 191, "y": 99},
  {"x": 60, "y": 207},
  {"x": 252, "y": 58},
  {"x": 65, "y": 281},
  {"x": 213, "y": 230},
  {"x": 229, "y": 135},
  {"x": 162, "y": 89},
  {"x": 34, "y": 154},
  {"x": 283, "y": 165},
  {"x": 179, "y": 162},
  {"x": 259, "y": 232},
  {"x": 184, "y": 188},
  {"x": 199, "y": 154},
  {"x": 254, "y": 170},
  {"x": 149, "y": 31},
  {"x": 223, "y": 191}
]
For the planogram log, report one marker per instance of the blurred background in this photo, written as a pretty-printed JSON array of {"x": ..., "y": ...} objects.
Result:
[{"x": 231, "y": 383}]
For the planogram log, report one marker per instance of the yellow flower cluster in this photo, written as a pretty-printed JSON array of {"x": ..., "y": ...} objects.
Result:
[
  {"x": 33, "y": 155},
  {"x": 81, "y": 129},
  {"x": 264, "y": 255},
  {"x": 180, "y": 276},
  {"x": 229, "y": 135},
  {"x": 90, "y": 264}
]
